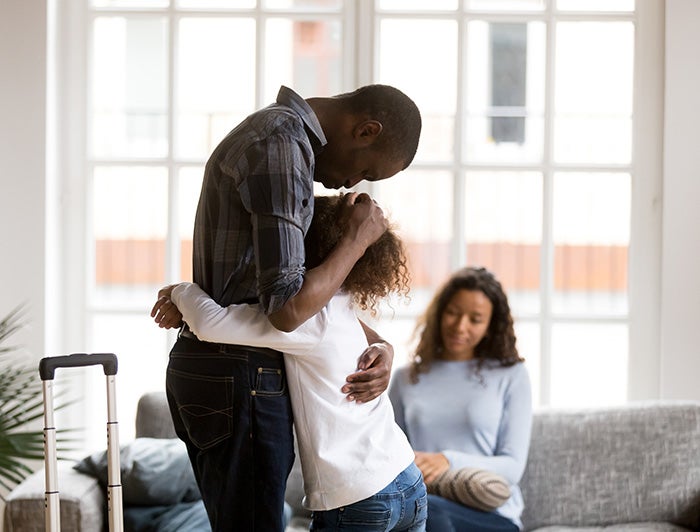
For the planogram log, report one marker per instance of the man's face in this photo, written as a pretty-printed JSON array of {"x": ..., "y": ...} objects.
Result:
[{"x": 342, "y": 165}]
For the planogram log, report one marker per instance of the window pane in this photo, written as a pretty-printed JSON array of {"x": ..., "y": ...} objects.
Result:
[
  {"x": 589, "y": 365},
  {"x": 418, "y": 5},
  {"x": 289, "y": 4},
  {"x": 506, "y": 5},
  {"x": 190, "y": 185},
  {"x": 141, "y": 347},
  {"x": 216, "y": 4},
  {"x": 596, "y": 5},
  {"x": 130, "y": 3},
  {"x": 527, "y": 335},
  {"x": 130, "y": 217},
  {"x": 503, "y": 228},
  {"x": 397, "y": 329},
  {"x": 129, "y": 87},
  {"x": 215, "y": 81},
  {"x": 505, "y": 92},
  {"x": 428, "y": 74},
  {"x": 305, "y": 55},
  {"x": 593, "y": 92},
  {"x": 419, "y": 203},
  {"x": 591, "y": 227}
]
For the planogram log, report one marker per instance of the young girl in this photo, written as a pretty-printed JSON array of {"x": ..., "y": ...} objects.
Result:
[
  {"x": 358, "y": 467},
  {"x": 464, "y": 400}
]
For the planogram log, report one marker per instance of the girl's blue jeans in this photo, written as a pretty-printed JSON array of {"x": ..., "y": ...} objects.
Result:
[{"x": 401, "y": 506}]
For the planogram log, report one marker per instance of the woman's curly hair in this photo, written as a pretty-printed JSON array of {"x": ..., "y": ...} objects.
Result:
[
  {"x": 382, "y": 269},
  {"x": 499, "y": 341}
]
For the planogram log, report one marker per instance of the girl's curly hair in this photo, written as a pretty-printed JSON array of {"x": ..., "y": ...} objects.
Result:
[
  {"x": 379, "y": 272},
  {"x": 499, "y": 341}
]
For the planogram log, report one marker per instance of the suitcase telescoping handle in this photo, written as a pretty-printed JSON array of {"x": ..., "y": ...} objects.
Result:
[
  {"x": 48, "y": 365},
  {"x": 47, "y": 369}
]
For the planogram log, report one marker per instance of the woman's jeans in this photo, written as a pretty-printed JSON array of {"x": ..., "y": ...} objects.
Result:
[
  {"x": 402, "y": 505},
  {"x": 448, "y": 516},
  {"x": 230, "y": 405}
]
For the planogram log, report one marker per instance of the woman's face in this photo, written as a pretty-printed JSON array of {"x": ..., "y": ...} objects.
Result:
[{"x": 464, "y": 323}]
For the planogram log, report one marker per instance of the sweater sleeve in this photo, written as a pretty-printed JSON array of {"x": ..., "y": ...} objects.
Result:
[
  {"x": 513, "y": 442},
  {"x": 243, "y": 324},
  {"x": 395, "y": 395}
]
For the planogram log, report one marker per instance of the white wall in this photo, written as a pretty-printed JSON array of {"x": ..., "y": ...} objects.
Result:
[
  {"x": 23, "y": 165},
  {"x": 22, "y": 169},
  {"x": 680, "y": 266}
]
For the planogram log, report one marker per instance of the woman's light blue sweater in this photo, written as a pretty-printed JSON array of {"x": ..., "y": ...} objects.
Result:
[{"x": 480, "y": 420}]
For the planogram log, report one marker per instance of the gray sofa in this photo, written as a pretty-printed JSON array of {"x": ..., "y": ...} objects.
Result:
[{"x": 632, "y": 468}]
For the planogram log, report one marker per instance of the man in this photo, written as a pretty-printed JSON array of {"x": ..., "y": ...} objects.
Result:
[{"x": 229, "y": 403}]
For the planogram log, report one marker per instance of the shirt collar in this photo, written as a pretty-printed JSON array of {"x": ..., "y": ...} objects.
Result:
[{"x": 291, "y": 99}]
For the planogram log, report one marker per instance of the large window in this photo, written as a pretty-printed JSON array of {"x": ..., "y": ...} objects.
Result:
[
  {"x": 525, "y": 164},
  {"x": 525, "y": 167}
]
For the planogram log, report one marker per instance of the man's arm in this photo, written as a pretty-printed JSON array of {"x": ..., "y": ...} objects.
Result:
[{"x": 365, "y": 224}]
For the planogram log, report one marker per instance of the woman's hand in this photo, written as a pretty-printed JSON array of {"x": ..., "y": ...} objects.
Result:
[
  {"x": 432, "y": 465},
  {"x": 165, "y": 312}
]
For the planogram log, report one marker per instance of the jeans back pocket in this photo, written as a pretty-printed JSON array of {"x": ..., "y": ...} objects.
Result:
[{"x": 205, "y": 405}]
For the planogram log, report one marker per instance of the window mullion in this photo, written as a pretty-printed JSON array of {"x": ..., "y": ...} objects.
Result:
[
  {"x": 365, "y": 33},
  {"x": 260, "y": 32},
  {"x": 459, "y": 242},
  {"x": 547, "y": 246},
  {"x": 644, "y": 285},
  {"x": 172, "y": 264}
]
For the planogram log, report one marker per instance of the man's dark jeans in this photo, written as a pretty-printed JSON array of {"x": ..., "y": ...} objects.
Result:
[{"x": 230, "y": 405}]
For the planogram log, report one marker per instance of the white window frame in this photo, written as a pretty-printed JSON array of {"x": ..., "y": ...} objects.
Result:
[
  {"x": 645, "y": 168},
  {"x": 360, "y": 35}
]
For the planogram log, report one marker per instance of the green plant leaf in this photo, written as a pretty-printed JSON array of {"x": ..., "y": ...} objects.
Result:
[{"x": 21, "y": 404}]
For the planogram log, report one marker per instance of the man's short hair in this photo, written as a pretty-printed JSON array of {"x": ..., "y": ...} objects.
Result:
[{"x": 397, "y": 113}]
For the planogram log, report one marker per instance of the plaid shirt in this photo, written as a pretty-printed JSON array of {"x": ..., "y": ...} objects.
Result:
[{"x": 256, "y": 205}]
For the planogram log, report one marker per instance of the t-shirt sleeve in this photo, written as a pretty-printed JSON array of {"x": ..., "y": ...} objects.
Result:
[
  {"x": 278, "y": 193},
  {"x": 243, "y": 324}
]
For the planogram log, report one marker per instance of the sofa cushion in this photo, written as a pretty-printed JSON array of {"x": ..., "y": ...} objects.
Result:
[
  {"x": 607, "y": 466},
  {"x": 627, "y": 527},
  {"x": 153, "y": 472},
  {"x": 153, "y": 418}
]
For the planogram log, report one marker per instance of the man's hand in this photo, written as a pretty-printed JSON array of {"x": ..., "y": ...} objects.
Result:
[
  {"x": 365, "y": 219},
  {"x": 164, "y": 312},
  {"x": 372, "y": 379},
  {"x": 432, "y": 465}
]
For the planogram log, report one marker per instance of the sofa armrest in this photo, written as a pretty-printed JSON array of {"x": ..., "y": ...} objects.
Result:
[{"x": 82, "y": 503}]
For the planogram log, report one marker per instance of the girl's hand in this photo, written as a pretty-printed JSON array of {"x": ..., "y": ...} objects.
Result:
[{"x": 164, "y": 312}]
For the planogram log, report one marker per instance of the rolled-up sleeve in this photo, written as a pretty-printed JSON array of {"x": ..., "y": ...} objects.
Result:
[{"x": 278, "y": 193}]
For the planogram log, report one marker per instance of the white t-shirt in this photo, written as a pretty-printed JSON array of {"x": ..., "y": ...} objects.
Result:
[{"x": 348, "y": 451}]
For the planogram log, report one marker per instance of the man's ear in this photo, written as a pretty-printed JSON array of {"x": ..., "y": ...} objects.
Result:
[{"x": 367, "y": 131}]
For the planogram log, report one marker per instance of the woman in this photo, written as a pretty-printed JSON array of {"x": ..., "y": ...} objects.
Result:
[
  {"x": 356, "y": 462},
  {"x": 464, "y": 399}
]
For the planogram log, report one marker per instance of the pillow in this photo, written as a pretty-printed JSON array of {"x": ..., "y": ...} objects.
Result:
[
  {"x": 153, "y": 472},
  {"x": 476, "y": 488}
]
